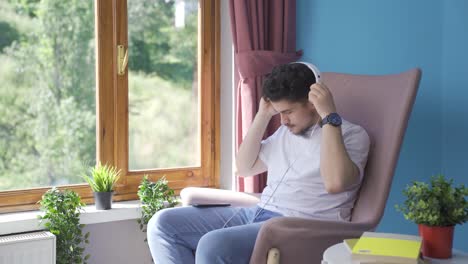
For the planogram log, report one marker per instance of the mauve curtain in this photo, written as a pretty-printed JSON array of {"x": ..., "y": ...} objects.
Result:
[{"x": 264, "y": 35}]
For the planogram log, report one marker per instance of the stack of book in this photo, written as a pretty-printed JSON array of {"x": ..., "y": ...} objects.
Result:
[{"x": 385, "y": 248}]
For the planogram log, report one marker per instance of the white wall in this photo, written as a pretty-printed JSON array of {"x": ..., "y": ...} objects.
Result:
[
  {"x": 119, "y": 242},
  {"x": 227, "y": 102},
  {"x": 122, "y": 242}
]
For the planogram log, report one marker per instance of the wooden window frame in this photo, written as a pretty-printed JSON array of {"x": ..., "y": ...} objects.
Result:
[{"x": 112, "y": 111}]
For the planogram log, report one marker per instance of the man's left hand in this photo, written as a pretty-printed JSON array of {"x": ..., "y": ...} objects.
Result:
[{"x": 321, "y": 97}]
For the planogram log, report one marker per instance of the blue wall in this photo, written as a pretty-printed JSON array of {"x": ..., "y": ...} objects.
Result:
[{"x": 382, "y": 37}]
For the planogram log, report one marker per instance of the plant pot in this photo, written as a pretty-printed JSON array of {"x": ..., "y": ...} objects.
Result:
[
  {"x": 437, "y": 241},
  {"x": 103, "y": 200}
]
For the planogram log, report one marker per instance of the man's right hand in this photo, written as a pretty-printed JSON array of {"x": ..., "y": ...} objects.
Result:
[
  {"x": 266, "y": 108},
  {"x": 247, "y": 161}
]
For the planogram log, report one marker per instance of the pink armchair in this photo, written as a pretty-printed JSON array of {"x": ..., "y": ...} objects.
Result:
[{"x": 380, "y": 104}]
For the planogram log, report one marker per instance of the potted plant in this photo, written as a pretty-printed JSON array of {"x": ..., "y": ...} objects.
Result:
[
  {"x": 154, "y": 196},
  {"x": 102, "y": 181},
  {"x": 436, "y": 208},
  {"x": 61, "y": 217}
]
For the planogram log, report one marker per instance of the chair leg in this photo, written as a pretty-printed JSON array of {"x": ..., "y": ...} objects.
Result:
[{"x": 273, "y": 256}]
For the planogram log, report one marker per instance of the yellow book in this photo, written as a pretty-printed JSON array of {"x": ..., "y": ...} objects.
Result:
[
  {"x": 349, "y": 243},
  {"x": 387, "y": 248}
]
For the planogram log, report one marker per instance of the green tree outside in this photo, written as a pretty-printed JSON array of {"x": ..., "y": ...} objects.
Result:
[{"x": 47, "y": 92}]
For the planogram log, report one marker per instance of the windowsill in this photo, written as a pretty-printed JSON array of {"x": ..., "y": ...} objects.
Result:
[{"x": 27, "y": 221}]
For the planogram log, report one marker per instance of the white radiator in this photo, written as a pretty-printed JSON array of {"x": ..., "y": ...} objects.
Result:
[{"x": 29, "y": 248}]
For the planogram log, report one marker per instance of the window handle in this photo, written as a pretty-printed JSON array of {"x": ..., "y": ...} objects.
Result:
[{"x": 122, "y": 59}]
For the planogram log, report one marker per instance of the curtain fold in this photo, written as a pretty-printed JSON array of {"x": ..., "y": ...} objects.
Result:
[{"x": 264, "y": 35}]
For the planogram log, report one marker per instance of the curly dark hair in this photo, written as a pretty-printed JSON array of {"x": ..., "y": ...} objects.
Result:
[{"x": 288, "y": 82}]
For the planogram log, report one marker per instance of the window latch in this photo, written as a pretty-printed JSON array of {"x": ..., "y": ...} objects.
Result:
[{"x": 122, "y": 59}]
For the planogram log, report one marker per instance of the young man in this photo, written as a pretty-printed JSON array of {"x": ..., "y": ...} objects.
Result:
[{"x": 315, "y": 164}]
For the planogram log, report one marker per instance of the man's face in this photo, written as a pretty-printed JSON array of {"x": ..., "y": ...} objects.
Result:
[{"x": 296, "y": 116}]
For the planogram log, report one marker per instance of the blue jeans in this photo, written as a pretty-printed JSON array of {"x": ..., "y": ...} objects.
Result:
[{"x": 175, "y": 234}]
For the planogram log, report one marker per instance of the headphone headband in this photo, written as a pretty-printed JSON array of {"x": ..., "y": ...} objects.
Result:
[{"x": 313, "y": 68}]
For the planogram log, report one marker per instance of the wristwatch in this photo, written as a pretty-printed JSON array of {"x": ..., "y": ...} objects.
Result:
[{"x": 333, "y": 119}]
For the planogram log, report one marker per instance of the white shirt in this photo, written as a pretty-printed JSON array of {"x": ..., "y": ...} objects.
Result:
[{"x": 302, "y": 192}]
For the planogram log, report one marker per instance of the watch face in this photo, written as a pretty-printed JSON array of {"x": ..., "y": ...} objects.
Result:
[{"x": 334, "y": 119}]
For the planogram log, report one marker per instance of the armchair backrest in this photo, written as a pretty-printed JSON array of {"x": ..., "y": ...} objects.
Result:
[{"x": 381, "y": 105}]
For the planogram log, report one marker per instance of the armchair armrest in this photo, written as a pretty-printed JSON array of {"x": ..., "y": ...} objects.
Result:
[
  {"x": 194, "y": 195},
  {"x": 302, "y": 240}
]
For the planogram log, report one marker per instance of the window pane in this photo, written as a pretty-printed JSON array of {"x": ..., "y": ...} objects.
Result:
[
  {"x": 47, "y": 92},
  {"x": 163, "y": 84}
]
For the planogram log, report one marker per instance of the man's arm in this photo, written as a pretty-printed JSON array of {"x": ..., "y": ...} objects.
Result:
[
  {"x": 336, "y": 167},
  {"x": 247, "y": 161}
]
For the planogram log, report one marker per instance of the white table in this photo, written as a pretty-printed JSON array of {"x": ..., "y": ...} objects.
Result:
[{"x": 338, "y": 254}]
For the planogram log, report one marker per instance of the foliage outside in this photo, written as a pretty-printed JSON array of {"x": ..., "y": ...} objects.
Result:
[
  {"x": 163, "y": 93},
  {"x": 163, "y": 124},
  {"x": 47, "y": 102},
  {"x": 103, "y": 177},
  {"x": 47, "y": 92},
  {"x": 154, "y": 196},
  {"x": 62, "y": 218},
  {"x": 439, "y": 204}
]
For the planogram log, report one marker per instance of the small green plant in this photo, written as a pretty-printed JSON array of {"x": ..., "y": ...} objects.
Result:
[
  {"x": 154, "y": 196},
  {"x": 103, "y": 177},
  {"x": 62, "y": 218},
  {"x": 439, "y": 204}
]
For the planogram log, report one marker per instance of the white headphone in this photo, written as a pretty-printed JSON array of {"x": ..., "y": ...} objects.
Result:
[{"x": 313, "y": 68}]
